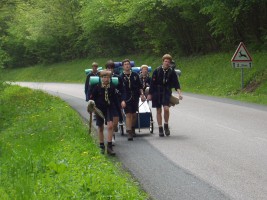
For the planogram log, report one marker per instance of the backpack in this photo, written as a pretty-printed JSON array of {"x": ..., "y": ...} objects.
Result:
[{"x": 173, "y": 65}]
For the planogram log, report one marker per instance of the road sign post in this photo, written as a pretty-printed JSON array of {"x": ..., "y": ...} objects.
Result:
[
  {"x": 242, "y": 78},
  {"x": 241, "y": 59}
]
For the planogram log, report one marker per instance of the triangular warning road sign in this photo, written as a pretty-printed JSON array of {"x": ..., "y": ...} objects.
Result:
[{"x": 241, "y": 54}]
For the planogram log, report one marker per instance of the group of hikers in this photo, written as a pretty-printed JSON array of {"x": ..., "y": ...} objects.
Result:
[{"x": 110, "y": 100}]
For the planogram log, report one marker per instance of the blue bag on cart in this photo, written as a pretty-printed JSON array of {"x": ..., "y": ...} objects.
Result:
[{"x": 143, "y": 120}]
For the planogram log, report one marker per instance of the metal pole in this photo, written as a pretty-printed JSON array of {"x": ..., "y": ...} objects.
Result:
[{"x": 242, "y": 78}]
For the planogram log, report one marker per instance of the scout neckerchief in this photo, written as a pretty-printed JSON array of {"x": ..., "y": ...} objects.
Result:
[
  {"x": 128, "y": 76},
  {"x": 164, "y": 82},
  {"x": 165, "y": 78},
  {"x": 106, "y": 92},
  {"x": 144, "y": 80}
]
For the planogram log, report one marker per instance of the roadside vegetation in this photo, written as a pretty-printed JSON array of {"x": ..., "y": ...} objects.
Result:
[
  {"x": 209, "y": 74},
  {"x": 52, "y": 31},
  {"x": 46, "y": 152}
]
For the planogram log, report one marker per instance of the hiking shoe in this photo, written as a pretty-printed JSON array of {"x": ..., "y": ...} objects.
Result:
[
  {"x": 130, "y": 135},
  {"x": 166, "y": 130},
  {"x": 110, "y": 151},
  {"x": 161, "y": 133},
  {"x": 102, "y": 149}
]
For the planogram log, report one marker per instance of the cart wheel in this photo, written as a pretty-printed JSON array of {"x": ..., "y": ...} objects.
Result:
[
  {"x": 151, "y": 128},
  {"x": 121, "y": 129}
]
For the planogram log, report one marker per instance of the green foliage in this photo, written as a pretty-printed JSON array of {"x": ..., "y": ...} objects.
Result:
[
  {"x": 43, "y": 32},
  {"x": 209, "y": 74},
  {"x": 45, "y": 152},
  {"x": 235, "y": 21},
  {"x": 58, "y": 30},
  {"x": 213, "y": 75}
]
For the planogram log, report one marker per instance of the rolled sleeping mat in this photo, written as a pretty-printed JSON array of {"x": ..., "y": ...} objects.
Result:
[
  {"x": 115, "y": 81},
  {"x": 119, "y": 64},
  {"x": 99, "y": 113},
  {"x": 132, "y": 63},
  {"x": 96, "y": 79},
  {"x": 92, "y": 108},
  {"x": 88, "y": 71},
  {"x": 138, "y": 69},
  {"x": 118, "y": 70},
  {"x": 174, "y": 100},
  {"x": 178, "y": 72}
]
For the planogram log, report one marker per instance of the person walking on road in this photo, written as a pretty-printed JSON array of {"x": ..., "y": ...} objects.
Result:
[
  {"x": 103, "y": 95},
  {"x": 163, "y": 80},
  {"x": 87, "y": 88},
  {"x": 144, "y": 78},
  {"x": 132, "y": 90},
  {"x": 117, "y": 117}
]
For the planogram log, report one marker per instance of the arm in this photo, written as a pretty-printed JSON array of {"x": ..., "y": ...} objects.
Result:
[
  {"x": 142, "y": 95},
  {"x": 123, "y": 92},
  {"x": 177, "y": 85}
]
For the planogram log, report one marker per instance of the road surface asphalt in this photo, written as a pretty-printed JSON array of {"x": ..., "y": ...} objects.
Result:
[{"x": 217, "y": 148}]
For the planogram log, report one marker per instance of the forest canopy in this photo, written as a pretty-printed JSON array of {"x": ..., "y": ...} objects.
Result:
[{"x": 37, "y": 31}]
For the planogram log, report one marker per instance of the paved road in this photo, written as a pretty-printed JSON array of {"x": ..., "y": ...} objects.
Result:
[{"x": 217, "y": 148}]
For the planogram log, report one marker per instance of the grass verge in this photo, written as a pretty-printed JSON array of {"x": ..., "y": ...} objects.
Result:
[
  {"x": 46, "y": 153},
  {"x": 209, "y": 75}
]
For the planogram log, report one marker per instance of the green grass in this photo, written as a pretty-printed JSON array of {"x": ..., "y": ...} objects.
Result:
[
  {"x": 46, "y": 152},
  {"x": 72, "y": 72},
  {"x": 210, "y": 74},
  {"x": 213, "y": 75}
]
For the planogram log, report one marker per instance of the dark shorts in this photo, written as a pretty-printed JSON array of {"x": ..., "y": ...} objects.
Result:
[
  {"x": 160, "y": 99},
  {"x": 116, "y": 113},
  {"x": 132, "y": 106},
  {"x": 109, "y": 114},
  {"x": 117, "y": 108}
]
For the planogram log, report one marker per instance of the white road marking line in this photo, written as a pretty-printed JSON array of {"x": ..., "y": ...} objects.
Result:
[
  {"x": 226, "y": 127},
  {"x": 260, "y": 138}
]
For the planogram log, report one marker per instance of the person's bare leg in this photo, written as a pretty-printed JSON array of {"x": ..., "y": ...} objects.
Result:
[
  {"x": 110, "y": 131},
  {"x": 133, "y": 123},
  {"x": 159, "y": 119},
  {"x": 134, "y": 118},
  {"x": 166, "y": 120},
  {"x": 115, "y": 128},
  {"x": 101, "y": 134},
  {"x": 115, "y": 123},
  {"x": 129, "y": 119},
  {"x": 109, "y": 138},
  {"x": 166, "y": 114}
]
